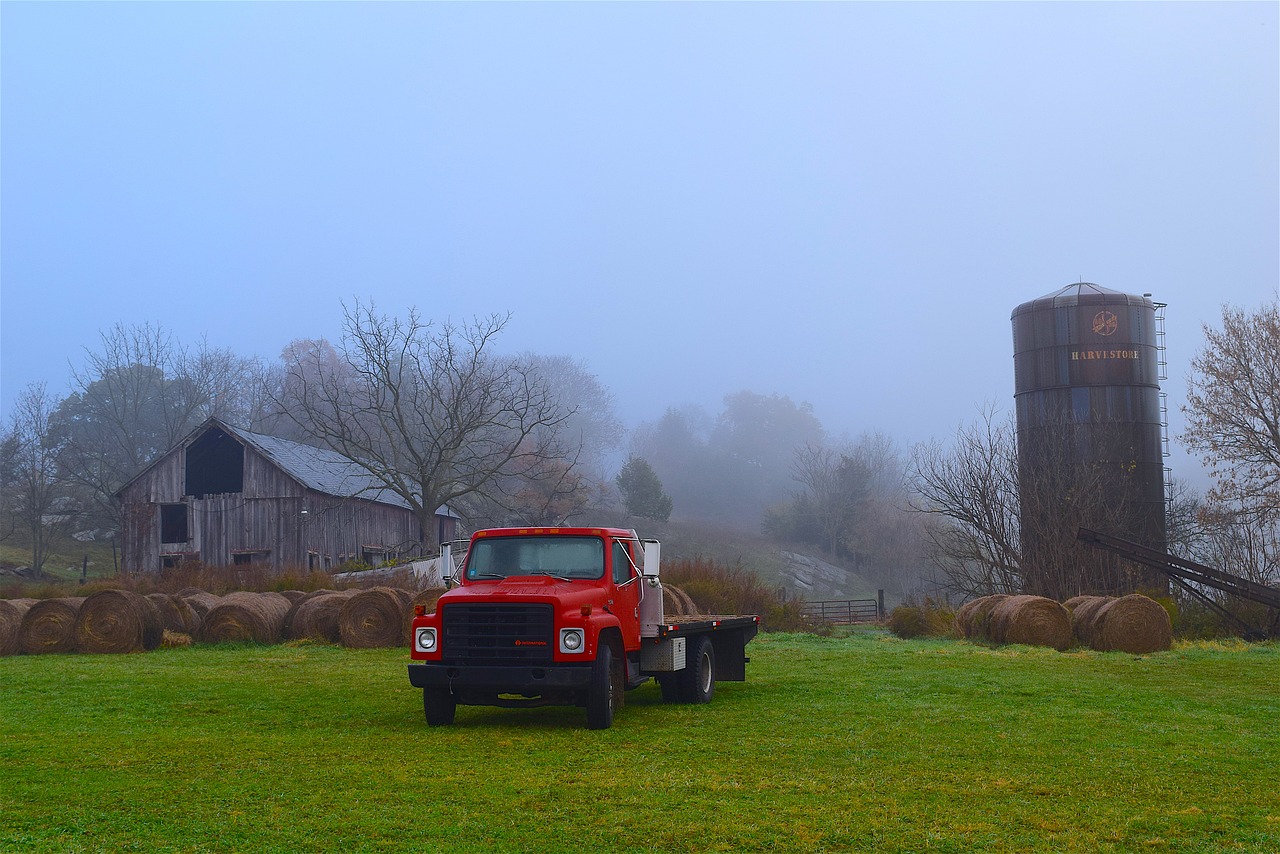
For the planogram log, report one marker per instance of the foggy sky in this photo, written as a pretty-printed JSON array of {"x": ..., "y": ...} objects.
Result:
[{"x": 840, "y": 202}]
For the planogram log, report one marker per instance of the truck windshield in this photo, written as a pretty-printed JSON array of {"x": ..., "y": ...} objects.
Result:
[{"x": 559, "y": 556}]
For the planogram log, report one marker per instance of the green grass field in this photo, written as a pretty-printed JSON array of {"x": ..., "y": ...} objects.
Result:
[{"x": 860, "y": 743}]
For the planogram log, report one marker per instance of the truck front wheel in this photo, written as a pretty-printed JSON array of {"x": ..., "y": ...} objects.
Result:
[
  {"x": 697, "y": 682},
  {"x": 604, "y": 696},
  {"x": 439, "y": 705}
]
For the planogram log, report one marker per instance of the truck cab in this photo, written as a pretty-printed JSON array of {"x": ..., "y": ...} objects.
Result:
[{"x": 564, "y": 616}]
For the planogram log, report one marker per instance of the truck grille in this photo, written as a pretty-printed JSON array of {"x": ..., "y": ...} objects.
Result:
[{"x": 498, "y": 633}]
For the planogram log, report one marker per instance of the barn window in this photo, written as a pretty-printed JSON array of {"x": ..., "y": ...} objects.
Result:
[
  {"x": 173, "y": 523},
  {"x": 248, "y": 557},
  {"x": 215, "y": 465}
]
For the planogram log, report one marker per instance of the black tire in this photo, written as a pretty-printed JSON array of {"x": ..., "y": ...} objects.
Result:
[
  {"x": 439, "y": 706},
  {"x": 604, "y": 697},
  {"x": 697, "y": 682}
]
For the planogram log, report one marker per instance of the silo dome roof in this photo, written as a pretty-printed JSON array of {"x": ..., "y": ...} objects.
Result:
[{"x": 1081, "y": 293}]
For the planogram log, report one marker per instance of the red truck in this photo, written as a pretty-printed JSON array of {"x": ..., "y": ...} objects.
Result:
[{"x": 566, "y": 616}]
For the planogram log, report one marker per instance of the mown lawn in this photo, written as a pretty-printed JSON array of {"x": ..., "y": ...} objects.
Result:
[{"x": 863, "y": 743}]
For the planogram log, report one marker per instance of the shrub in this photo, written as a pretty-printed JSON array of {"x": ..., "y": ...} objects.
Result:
[
  {"x": 719, "y": 589},
  {"x": 1193, "y": 619},
  {"x": 927, "y": 618},
  {"x": 907, "y": 621}
]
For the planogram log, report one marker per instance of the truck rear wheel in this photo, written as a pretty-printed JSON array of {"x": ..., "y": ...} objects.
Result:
[
  {"x": 604, "y": 696},
  {"x": 697, "y": 682},
  {"x": 439, "y": 706}
]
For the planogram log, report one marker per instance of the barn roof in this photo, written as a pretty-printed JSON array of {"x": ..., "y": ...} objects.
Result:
[{"x": 320, "y": 469}]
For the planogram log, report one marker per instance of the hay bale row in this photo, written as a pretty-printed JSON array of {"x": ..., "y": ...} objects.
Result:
[
  {"x": 1135, "y": 624},
  {"x": 121, "y": 621},
  {"x": 1030, "y": 620}
]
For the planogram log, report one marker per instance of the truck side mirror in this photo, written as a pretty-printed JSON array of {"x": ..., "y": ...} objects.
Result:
[{"x": 652, "y": 558}]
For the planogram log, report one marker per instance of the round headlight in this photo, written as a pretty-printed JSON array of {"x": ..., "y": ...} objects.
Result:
[
  {"x": 426, "y": 640},
  {"x": 572, "y": 640}
]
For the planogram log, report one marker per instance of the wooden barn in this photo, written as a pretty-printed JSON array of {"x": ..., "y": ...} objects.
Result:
[{"x": 225, "y": 496}]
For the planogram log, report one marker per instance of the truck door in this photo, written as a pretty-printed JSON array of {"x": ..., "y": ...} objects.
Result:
[{"x": 626, "y": 600}]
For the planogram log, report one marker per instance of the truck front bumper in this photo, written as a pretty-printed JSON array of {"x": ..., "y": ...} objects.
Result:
[{"x": 501, "y": 679}]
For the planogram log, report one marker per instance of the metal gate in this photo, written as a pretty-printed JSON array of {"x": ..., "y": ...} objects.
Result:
[{"x": 843, "y": 612}]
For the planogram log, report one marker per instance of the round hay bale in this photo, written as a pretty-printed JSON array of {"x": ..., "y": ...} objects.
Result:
[
  {"x": 50, "y": 626},
  {"x": 375, "y": 618},
  {"x": 11, "y": 613},
  {"x": 293, "y": 609},
  {"x": 1031, "y": 620},
  {"x": 962, "y": 617},
  {"x": 1084, "y": 615},
  {"x": 176, "y": 614},
  {"x": 256, "y": 617},
  {"x": 1135, "y": 624},
  {"x": 315, "y": 616},
  {"x": 199, "y": 601},
  {"x": 117, "y": 621},
  {"x": 676, "y": 603},
  {"x": 973, "y": 620},
  {"x": 293, "y": 595},
  {"x": 426, "y": 598}
]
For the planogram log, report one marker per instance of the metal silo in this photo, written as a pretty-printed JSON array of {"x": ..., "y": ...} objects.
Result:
[{"x": 1090, "y": 437}]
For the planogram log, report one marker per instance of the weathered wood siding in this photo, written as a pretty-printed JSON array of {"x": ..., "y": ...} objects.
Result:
[{"x": 265, "y": 518}]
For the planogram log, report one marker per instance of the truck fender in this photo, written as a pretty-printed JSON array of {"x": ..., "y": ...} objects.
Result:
[{"x": 606, "y": 629}]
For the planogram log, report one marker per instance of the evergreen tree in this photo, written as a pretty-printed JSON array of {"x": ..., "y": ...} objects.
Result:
[{"x": 642, "y": 491}]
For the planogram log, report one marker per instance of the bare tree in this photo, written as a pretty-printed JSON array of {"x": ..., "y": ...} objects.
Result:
[
  {"x": 134, "y": 399},
  {"x": 303, "y": 362},
  {"x": 1233, "y": 406},
  {"x": 970, "y": 492},
  {"x": 1060, "y": 491},
  {"x": 593, "y": 425},
  {"x": 34, "y": 492},
  {"x": 430, "y": 412},
  {"x": 1007, "y": 511},
  {"x": 887, "y": 538},
  {"x": 1244, "y": 542},
  {"x": 1233, "y": 420},
  {"x": 836, "y": 488},
  {"x": 552, "y": 495}
]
